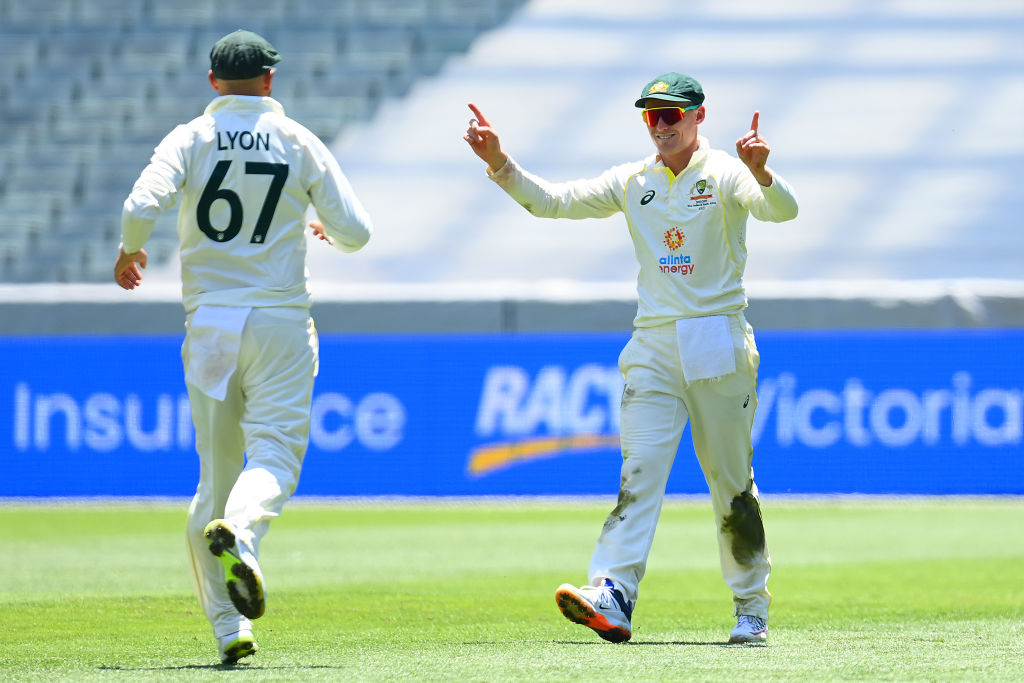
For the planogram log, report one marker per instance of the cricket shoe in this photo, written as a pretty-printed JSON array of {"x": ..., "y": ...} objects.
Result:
[
  {"x": 601, "y": 608},
  {"x": 242, "y": 573},
  {"x": 237, "y": 645},
  {"x": 749, "y": 630}
]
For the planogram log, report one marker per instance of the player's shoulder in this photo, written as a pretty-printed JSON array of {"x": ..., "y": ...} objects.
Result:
[
  {"x": 292, "y": 130},
  {"x": 628, "y": 169},
  {"x": 721, "y": 156},
  {"x": 723, "y": 163},
  {"x": 185, "y": 134},
  {"x": 293, "y": 127}
]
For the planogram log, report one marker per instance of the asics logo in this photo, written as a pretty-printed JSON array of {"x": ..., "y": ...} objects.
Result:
[{"x": 646, "y": 199}]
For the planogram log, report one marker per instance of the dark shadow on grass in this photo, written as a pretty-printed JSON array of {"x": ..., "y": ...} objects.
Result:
[
  {"x": 639, "y": 643},
  {"x": 632, "y": 643},
  {"x": 219, "y": 667},
  {"x": 689, "y": 642}
]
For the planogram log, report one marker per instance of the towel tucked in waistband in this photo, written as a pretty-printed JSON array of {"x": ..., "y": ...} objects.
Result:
[{"x": 214, "y": 340}]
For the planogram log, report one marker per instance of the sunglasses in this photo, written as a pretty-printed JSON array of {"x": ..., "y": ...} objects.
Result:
[{"x": 670, "y": 115}]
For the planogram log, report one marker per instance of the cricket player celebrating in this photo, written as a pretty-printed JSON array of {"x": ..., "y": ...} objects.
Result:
[
  {"x": 245, "y": 175},
  {"x": 692, "y": 354}
]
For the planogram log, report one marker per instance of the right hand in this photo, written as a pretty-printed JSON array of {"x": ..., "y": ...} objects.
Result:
[
  {"x": 126, "y": 269},
  {"x": 320, "y": 233},
  {"x": 484, "y": 140}
]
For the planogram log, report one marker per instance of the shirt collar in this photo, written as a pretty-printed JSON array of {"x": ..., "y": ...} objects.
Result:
[{"x": 241, "y": 102}]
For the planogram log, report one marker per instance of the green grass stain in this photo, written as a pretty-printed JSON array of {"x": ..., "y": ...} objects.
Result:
[
  {"x": 744, "y": 527},
  {"x": 618, "y": 513}
]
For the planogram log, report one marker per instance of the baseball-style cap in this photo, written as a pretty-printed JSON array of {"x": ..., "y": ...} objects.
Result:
[
  {"x": 241, "y": 55},
  {"x": 674, "y": 88}
]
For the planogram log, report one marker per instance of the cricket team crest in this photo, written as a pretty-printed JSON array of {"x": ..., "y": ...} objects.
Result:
[
  {"x": 702, "y": 194},
  {"x": 660, "y": 86},
  {"x": 674, "y": 238}
]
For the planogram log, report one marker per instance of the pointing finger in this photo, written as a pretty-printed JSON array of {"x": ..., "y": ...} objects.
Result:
[
  {"x": 479, "y": 115},
  {"x": 753, "y": 122}
]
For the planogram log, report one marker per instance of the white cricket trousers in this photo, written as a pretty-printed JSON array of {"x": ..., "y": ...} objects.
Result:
[
  {"x": 657, "y": 401},
  {"x": 250, "y": 445}
]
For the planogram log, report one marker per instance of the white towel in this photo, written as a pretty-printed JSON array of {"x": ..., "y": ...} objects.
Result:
[
  {"x": 214, "y": 340},
  {"x": 705, "y": 347}
]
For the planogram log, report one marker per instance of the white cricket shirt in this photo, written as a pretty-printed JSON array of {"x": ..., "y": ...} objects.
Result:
[
  {"x": 245, "y": 175},
  {"x": 688, "y": 231}
]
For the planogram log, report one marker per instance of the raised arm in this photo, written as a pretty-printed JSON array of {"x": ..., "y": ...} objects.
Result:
[
  {"x": 483, "y": 140},
  {"x": 752, "y": 149}
]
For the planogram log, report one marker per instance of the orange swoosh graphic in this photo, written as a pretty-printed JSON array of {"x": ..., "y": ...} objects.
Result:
[{"x": 486, "y": 459}]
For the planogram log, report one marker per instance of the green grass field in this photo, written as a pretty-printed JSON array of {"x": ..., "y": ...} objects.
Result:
[{"x": 917, "y": 589}]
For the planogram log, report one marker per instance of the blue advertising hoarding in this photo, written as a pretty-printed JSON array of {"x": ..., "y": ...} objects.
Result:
[{"x": 879, "y": 412}]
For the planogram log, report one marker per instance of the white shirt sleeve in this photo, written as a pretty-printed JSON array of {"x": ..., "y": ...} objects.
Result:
[
  {"x": 775, "y": 203},
  {"x": 594, "y": 198},
  {"x": 345, "y": 219},
  {"x": 157, "y": 190}
]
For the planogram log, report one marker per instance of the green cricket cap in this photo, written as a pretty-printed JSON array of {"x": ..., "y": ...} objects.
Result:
[
  {"x": 674, "y": 88},
  {"x": 241, "y": 55}
]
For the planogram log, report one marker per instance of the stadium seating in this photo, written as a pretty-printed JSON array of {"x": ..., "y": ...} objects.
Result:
[
  {"x": 89, "y": 87},
  {"x": 896, "y": 123}
]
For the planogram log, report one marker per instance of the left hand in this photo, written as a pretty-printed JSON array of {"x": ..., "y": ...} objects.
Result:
[
  {"x": 752, "y": 149},
  {"x": 318, "y": 230},
  {"x": 484, "y": 141},
  {"x": 126, "y": 269}
]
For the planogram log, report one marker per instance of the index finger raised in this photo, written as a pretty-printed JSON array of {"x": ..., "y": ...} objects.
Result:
[
  {"x": 753, "y": 121},
  {"x": 479, "y": 115}
]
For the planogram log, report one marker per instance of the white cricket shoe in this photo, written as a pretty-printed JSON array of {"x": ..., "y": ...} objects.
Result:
[
  {"x": 749, "y": 630},
  {"x": 601, "y": 608},
  {"x": 242, "y": 573},
  {"x": 237, "y": 645}
]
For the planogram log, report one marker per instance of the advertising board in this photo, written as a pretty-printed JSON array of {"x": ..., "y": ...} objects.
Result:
[{"x": 879, "y": 412}]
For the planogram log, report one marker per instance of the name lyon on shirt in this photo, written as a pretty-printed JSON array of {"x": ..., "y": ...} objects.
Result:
[
  {"x": 244, "y": 139},
  {"x": 676, "y": 264}
]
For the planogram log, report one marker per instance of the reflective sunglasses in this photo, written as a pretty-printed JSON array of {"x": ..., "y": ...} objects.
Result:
[{"x": 670, "y": 115}]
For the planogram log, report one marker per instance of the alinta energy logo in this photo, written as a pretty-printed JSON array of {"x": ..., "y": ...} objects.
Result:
[
  {"x": 675, "y": 263},
  {"x": 674, "y": 238}
]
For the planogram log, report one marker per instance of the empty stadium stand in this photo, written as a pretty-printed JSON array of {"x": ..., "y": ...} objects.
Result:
[
  {"x": 897, "y": 121},
  {"x": 89, "y": 87}
]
